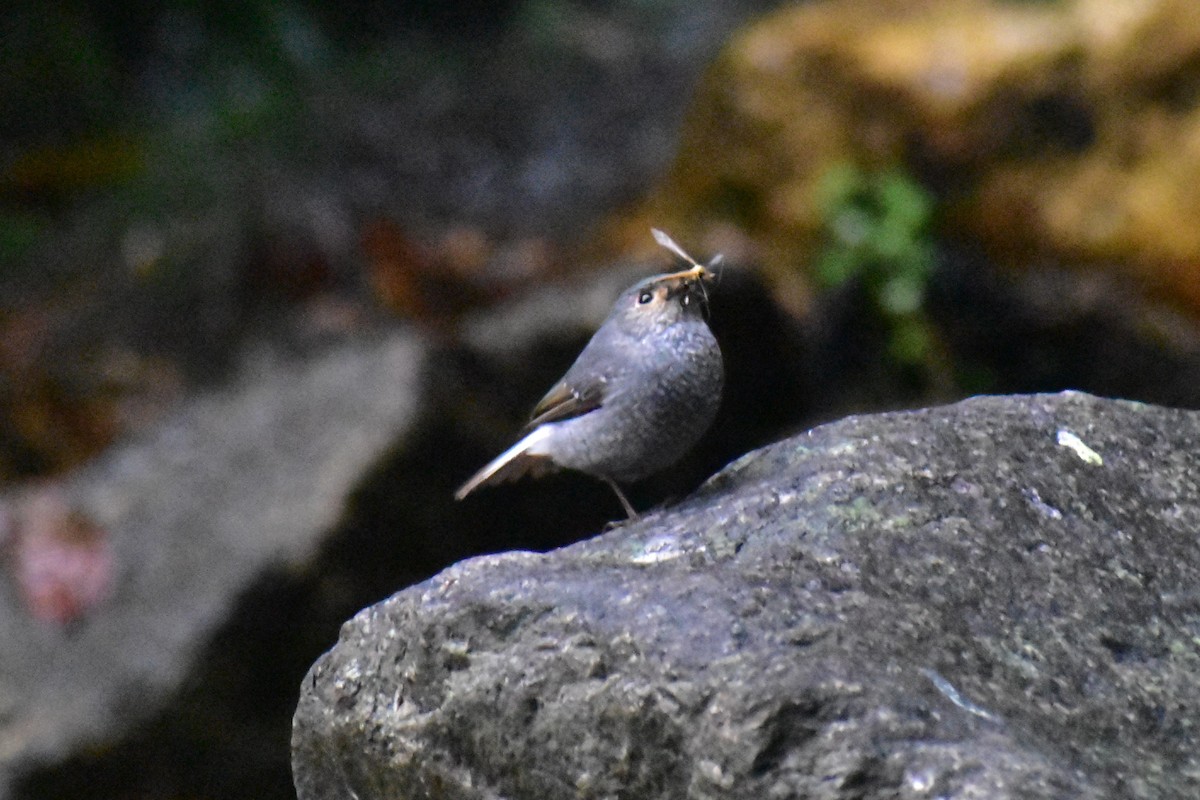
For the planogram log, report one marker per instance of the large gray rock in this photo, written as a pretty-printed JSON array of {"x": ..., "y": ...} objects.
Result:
[{"x": 995, "y": 599}]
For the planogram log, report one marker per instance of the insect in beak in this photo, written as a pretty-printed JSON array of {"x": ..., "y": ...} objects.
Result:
[{"x": 698, "y": 275}]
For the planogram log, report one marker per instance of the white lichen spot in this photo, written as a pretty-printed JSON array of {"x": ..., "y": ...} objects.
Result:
[
  {"x": 954, "y": 696},
  {"x": 712, "y": 772},
  {"x": 1035, "y": 499},
  {"x": 658, "y": 550},
  {"x": 921, "y": 781},
  {"x": 842, "y": 448},
  {"x": 1072, "y": 442}
]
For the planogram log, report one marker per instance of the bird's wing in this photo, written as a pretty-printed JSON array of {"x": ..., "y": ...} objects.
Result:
[{"x": 569, "y": 399}]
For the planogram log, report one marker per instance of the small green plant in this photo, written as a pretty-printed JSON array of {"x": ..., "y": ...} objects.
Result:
[{"x": 878, "y": 232}]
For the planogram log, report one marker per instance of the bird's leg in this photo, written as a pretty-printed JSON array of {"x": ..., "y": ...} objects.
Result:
[{"x": 621, "y": 496}]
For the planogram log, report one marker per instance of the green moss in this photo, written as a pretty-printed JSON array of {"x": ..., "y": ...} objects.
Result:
[{"x": 878, "y": 233}]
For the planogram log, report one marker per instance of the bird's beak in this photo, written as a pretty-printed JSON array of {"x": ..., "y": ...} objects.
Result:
[
  {"x": 686, "y": 281},
  {"x": 688, "y": 286}
]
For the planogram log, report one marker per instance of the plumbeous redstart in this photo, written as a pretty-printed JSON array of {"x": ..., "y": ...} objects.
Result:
[{"x": 641, "y": 393}]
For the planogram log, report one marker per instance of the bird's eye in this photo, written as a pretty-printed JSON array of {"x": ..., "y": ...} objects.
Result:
[
  {"x": 645, "y": 297},
  {"x": 687, "y": 298}
]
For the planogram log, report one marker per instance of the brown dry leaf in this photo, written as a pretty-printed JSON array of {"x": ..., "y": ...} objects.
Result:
[
  {"x": 395, "y": 266},
  {"x": 429, "y": 284}
]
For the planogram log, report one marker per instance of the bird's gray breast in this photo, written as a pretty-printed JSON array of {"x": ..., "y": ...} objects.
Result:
[{"x": 658, "y": 404}]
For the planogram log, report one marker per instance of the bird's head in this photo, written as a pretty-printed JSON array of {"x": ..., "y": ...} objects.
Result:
[{"x": 663, "y": 300}]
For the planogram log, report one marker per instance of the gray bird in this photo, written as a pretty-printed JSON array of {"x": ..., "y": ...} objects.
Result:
[{"x": 637, "y": 398}]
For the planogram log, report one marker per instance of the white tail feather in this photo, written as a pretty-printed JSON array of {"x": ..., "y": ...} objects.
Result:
[{"x": 494, "y": 467}]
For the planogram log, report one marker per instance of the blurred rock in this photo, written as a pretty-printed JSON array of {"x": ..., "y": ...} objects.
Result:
[
  {"x": 992, "y": 599},
  {"x": 1060, "y": 131},
  {"x": 213, "y": 521},
  {"x": 1055, "y": 327}
]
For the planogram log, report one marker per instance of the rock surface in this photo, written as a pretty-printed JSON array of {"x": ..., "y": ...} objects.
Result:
[{"x": 992, "y": 599}]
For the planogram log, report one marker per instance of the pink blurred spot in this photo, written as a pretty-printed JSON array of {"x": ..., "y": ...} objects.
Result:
[{"x": 62, "y": 561}]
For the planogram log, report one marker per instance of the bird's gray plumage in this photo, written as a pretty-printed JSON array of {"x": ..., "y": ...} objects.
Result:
[{"x": 642, "y": 392}]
